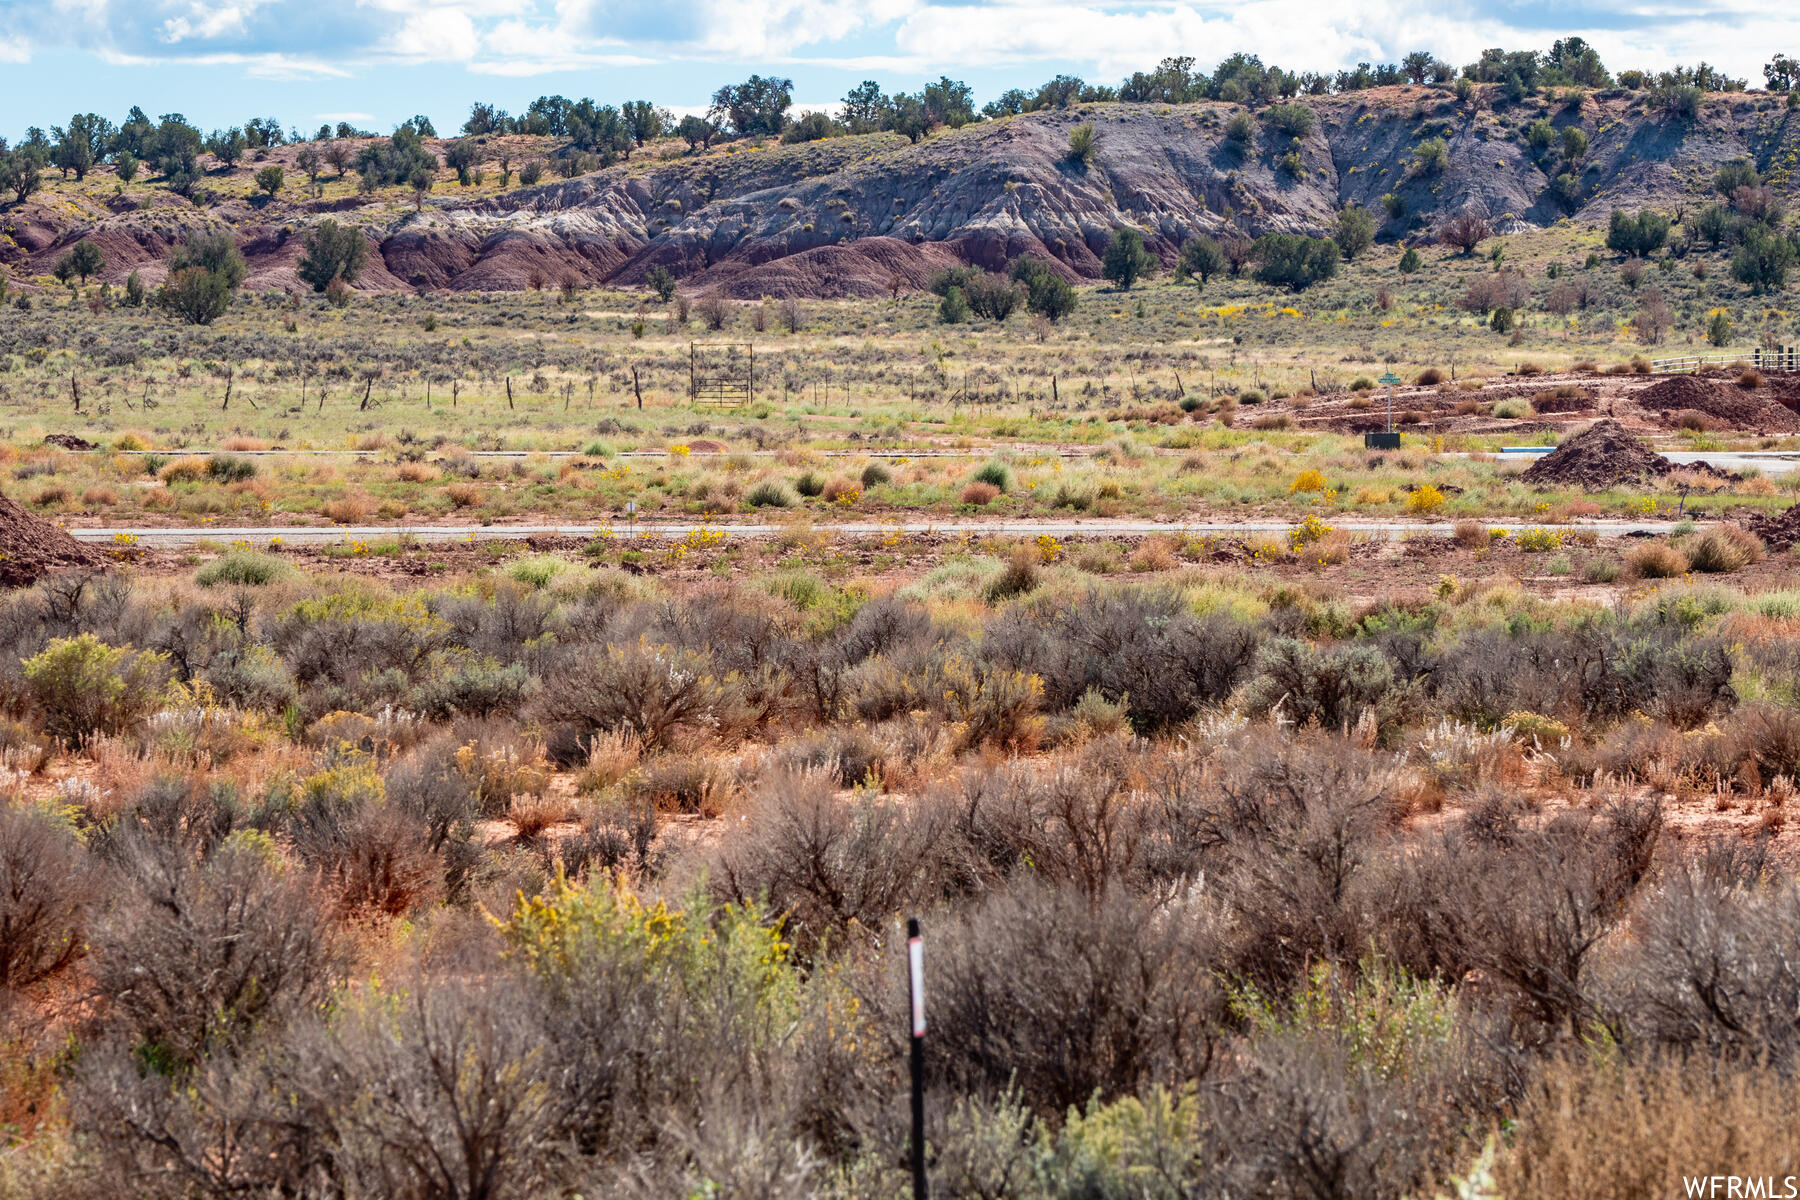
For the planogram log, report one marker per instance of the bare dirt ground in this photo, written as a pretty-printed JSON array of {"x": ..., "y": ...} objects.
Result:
[{"x": 1643, "y": 404}]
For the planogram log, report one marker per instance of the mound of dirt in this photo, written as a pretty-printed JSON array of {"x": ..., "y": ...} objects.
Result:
[
  {"x": 31, "y": 547},
  {"x": 1731, "y": 407},
  {"x": 1779, "y": 531},
  {"x": 1563, "y": 400},
  {"x": 1601, "y": 456}
]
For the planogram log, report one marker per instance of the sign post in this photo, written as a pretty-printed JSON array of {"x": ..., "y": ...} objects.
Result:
[
  {"x": 915, "y": 972},
  {"x": 1387, "y": 440}
]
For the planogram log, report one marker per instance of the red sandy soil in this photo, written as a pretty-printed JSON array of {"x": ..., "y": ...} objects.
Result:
[{"x": 31, "y": 547}]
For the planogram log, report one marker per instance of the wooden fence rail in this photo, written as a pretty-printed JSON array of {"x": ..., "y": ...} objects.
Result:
[{"x": 1782, "y": 358}]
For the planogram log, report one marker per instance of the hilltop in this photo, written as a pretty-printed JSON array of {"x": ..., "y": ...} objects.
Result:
[{"x": 863, "y": 215}]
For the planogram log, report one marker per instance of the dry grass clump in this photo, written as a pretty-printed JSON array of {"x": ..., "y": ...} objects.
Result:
[
  {"x": 1153, "y": 554},
  {"x": 534, "y": 812},
  {"x": 1656, "y": 560},
  {"x": 190, "y": 469},
  {"x": 612, "y": 755},
  {"x": 1619, "y": 1132},
  {"x": 463, "y": 495},
  {"x": 1750, "y": 378},
  {"x": 1472, "y": 533},
  {"x": 979, "y": 494},
  {"x": 1723, "y": 549},
  {"x": 351, "y": 510},
  {"x": 699, "y": 784},
  {"x": 1020, "y": 575},
  {"x": 842, "y": 491},
  {"x": 1430, "y": 376},
  {"x": 417, "y": 472}
]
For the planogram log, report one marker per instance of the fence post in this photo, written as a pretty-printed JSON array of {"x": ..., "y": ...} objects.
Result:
[{"x": 915, "y": 972}]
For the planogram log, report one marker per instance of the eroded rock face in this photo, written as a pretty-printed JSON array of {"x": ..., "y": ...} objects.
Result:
[{"x": 859, "y": 216}]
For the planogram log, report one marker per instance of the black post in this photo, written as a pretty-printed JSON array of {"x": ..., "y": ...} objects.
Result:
[{"x": 915, "y": 965}]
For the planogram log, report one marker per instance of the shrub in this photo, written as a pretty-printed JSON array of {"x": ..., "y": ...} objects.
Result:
[
  {"x": 183, "y": 470},
  {"x": 333, "y": 252},
  {"x": 1290, "y": 120},
  {"x": 1116, "y": 1002},
  {"x": 83, "y": 686},
  {"x": 1424, "y": 499},
  {"x": 769, "y": 493},
  {"x": 244, "y": 568},
  {"x": 841, "y": 491},
  {"x": 44, "y": 897},
  {"x": 1656, "y": 560},
  {"x": 876, "y": 475},
  {"x": 1640, "y": 1128},
  {"x": 684, "y": 783},
  {"x": 230, "y": 468},
  {"x": 648, "y": 689},
  {"x": 197, "y": 956},
  {"x": 1723, "y": 549},
  {"x": 1639, "y": 236},
  {"x": 1017, "y": 577},
  {"x": 953, "y": 309},
  {"x": 996, "y": 474},
  {"x": 534, "y": 812},
  {"x": 469, "y": 685},
  {"x": 1330, "y": 687},
  {"x": 979, "y": 494},
  {"x": 809, "y": 484},
  {"x": 1082, "y": 144},
  {"x": 1472, "y": 533},
  {"x": 1295, "y": 261},
  {"x": 831, "y": 866},
  {"x": 1127, "y": 259}
]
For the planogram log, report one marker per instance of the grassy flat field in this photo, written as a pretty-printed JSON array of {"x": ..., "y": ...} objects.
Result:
[{"x": 1168, "y": 402}]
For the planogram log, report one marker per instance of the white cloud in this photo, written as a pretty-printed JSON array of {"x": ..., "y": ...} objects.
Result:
[
  {"x": 442, "y": 35},
  {"x": 1103, "y": 39}
]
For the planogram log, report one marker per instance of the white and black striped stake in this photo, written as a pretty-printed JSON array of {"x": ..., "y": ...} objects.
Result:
[{"x": 915, "y": 961}]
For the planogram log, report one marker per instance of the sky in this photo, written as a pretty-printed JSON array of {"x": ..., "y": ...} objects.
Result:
[{"x": 376, "y": 63}]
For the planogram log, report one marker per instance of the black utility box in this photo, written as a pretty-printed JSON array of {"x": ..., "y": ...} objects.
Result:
[{"x": 1381, "y": 441}]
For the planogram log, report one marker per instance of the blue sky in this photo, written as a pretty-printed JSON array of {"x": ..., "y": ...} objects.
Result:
[{"x": 376, "y": 62}]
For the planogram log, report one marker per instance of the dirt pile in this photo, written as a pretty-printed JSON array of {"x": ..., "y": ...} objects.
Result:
[
  {"x": 1601, "y": 456},
  {"x": 1730, "y": 406},
  {"x": 1779, "y": 531},
  {"x": 31, "y": 547}
]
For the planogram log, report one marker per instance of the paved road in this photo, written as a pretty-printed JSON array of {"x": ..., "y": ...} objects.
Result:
[
  {"x": 1769, "y": 462},
  {"x": 317, "y": 534}
]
